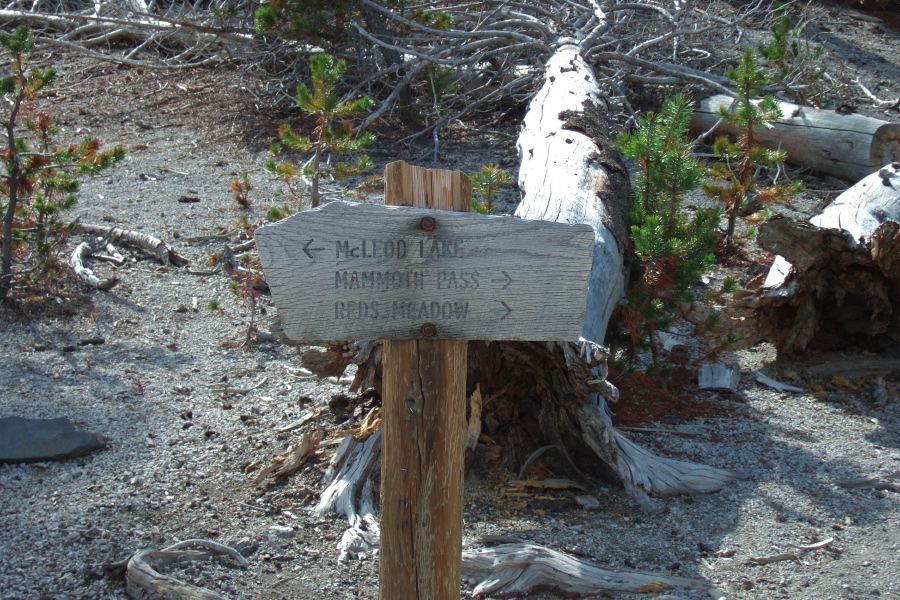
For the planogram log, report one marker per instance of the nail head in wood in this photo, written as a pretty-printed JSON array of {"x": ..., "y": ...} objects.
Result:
[
  {"x": 428, "y": 329},
  {"x": 428, "y": 223}
]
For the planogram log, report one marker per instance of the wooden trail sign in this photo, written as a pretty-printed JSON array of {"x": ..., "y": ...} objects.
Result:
[
  {"x": 425, "y": 281},
  {"x": 363, "y": 271}
]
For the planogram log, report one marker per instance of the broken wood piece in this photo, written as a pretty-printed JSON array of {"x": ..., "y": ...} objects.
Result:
[
  {"x": 144, "y": 582},
  {"x": 718, "y": 376},
  {"x": 144, "y": 241},
  {"x": 357, "y": 461},
  {"x": 308, "y": 416},
  {"x": 518, "y": 569},
  {"x": 674, "y": 347},
  {"x": 816, "y": 546},
  {"x": 880, "y": 396},
  {"x": 846, "y": 146},
  {"x": 76, "y": 261},
  {"x": 868, "y": 483},
  {"x": 775, "y": 385},
  {"x": 473, "y": 431},
  {"x": 291, "y": 461},
  {"x": 765, "y": 560}
]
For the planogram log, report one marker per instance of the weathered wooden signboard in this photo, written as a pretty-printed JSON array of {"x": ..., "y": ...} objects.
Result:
[{"x": 363, "y": 271}]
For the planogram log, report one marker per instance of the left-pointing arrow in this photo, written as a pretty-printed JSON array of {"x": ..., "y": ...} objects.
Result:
[{"x": 309, "y": 250}]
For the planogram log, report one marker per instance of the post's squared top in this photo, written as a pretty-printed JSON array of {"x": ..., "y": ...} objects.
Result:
[{"x": 408, "y": 185}]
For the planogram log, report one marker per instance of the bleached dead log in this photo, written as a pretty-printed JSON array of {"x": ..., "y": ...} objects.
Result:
[
  {"x": 517, "y": 569},
  {"x": 144, "y": 582},
  {"x": 76, "y": 261},
  {"x": 828, "y": 143},
  {"x": 144, "y": 241},
  {"x": 570, "y": 173},
  {"x": 844, "y": 281}
]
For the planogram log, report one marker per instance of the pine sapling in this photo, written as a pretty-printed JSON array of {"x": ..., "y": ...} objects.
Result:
[
  {"x": 40, "y": 178},
  {"x": 672, "y": 248},
  {"x": 333, "y": 131},
  {"x": 734, "y": 179},
  {"x": 486, "y": 183}
]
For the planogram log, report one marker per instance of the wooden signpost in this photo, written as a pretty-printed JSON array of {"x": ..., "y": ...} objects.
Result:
[{"x": 425, "y": 281}]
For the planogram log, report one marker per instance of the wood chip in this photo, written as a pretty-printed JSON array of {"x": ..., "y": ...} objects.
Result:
[
  {"x": 776, "y": 385},
  {"x": 815, "y": 546}
]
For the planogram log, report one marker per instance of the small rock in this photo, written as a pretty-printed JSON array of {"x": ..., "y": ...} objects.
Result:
[
  {"x": 66, "y": 478},
  {"x": 91, "y": 341},
  {"x": 282, "y": 532},
  {"x": 31, "y": 440},
  {"x": 588, "y": 502}
]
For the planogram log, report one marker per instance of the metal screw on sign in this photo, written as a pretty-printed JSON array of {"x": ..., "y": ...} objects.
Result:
[
  {"x": 428, "y": 223},
  {"x": 429, "y": 330}
]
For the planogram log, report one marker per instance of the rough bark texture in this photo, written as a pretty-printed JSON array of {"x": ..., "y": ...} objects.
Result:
[
  {"x": 836, "y": 282},
  {"x": 828, "y": 143}
]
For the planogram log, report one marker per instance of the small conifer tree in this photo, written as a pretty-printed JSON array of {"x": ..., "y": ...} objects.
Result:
[
  {"x": 734, "y": 179},
  {"x": 40, "y": 179},
  {"x": 486, "y": 183},
  {"x": 333, "y": 131},
  {"x": 672, "y": 248}
]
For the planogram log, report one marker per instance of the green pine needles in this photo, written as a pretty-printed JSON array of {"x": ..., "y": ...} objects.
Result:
[
  {"x": 735, "y": 181},
  {"x": 40, "y": 178},
  {"x": 486, "y": 183},
  {"x": 672, "y": 247},
  {"x": 333, "y": 131}
]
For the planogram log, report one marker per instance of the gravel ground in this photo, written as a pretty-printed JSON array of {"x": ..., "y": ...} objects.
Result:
[{"x": 179, "y": 448}]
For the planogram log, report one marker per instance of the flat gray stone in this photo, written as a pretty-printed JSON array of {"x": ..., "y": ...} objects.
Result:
[{"x": 31, "y": 440}]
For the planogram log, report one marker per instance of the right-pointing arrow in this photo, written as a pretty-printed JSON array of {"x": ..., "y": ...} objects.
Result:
[
  {"x": 506, "y": 280},
  {"x": 505, "y": 310}
]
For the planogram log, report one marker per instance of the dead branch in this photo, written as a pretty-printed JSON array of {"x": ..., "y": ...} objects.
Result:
[
  {"x": 82, "y": 251},
  {"x": 520, "y": 568},
  {"x": 144, "y": 241},
  {"x": 144, "y": 582}
]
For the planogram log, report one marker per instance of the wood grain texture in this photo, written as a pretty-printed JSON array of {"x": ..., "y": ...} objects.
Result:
[
  {"x": 422, "y": 469},
  {"x": 362, "y": 271},
  {"x": 846, "y": 146},
  {"x": 424, "y": 410}
]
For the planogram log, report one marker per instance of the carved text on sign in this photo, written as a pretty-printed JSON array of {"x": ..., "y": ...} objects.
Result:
[{"x": 361, "y": 271}]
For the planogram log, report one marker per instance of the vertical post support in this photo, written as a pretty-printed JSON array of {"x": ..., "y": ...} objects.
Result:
[{"x": 424, "y": 386}]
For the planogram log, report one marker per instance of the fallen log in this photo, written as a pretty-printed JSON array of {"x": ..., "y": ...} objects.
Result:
[
  {"x": 836, "y": 282},
  {"x": 826, "y": 142}
]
